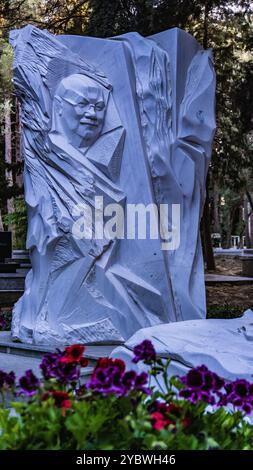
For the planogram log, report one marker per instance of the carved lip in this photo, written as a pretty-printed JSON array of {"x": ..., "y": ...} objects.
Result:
[{"x": 89, "y": 123}]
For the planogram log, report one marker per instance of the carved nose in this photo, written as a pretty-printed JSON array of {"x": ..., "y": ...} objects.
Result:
[{"x": 90, "y": 113}]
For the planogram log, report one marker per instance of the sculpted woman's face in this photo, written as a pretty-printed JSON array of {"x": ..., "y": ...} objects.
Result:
[{"x": 81, "y": 110}]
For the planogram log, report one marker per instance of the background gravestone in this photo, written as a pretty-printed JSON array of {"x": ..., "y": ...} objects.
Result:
[{"x": 5, "y": 245}]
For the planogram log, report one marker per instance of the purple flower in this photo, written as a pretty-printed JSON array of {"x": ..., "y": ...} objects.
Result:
[
  {"x": 201, "y": 385},
  {"x": 129, "y": 379},
  {"x": 7, "y": 381},
  {"x": 81, "y": 391},
  {"x": 239, "y": 393},
  {"x": 194, "y": 396},
  {"x": 10, "y": 379},
  {"x": 109, "y": 377},
  {"x": 49, "y": 364},
  {"x": 29, "y": 383},
  {"x": 2, "y": 323},
  {"x": 2, "y": 378},
  {"x": 144, "y": 352},
  {"x": 241, "y": 388},
  {"x": 194, "y": 379},
  {"x": 140, "y": 382},
  {"x": 52, "y": 366}
]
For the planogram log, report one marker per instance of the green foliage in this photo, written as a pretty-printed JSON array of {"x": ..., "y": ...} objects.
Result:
[
  {"x": 229, "y": 218},
  {"x": 91, "y": 421},
  {"x": 18, "y": 221},
  {"x": 100, "y": 424},
  {"x": 6, "y": 59},
  {"x": 34, "y": 426},
  {"x": 227, "y": 29},
  {"x": 225, "y": 311},
  {"x": 114, "y": 424},
  {"x": 70, "y": 17},
  {"x": 15, "y": 14}
]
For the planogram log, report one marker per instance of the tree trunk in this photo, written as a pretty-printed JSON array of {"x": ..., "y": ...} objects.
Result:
[
  {"x": 19, "y": 177},
  {"x": 246, "y": 220},
  {"x": 1, "y": 222},
  {"x": 207, "y": 240},
  {"x": 8, "y": 150},
  {"x": 242, "y": 232},
  {"x": 249, "y": 199},
  {"x": 205, "y": 32},
  {"x": 230, "y": 227},
  {"x": 216, "y": 215},
  {"x": 206, "y": 231}
]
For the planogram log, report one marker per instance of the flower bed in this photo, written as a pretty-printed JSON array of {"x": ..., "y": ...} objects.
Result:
[
  {"x": 117, "y": 408},
  {"x": 5, "y": 319}
]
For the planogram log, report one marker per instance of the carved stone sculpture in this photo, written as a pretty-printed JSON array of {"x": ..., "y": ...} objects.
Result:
[{"x": 117, "y": 122}]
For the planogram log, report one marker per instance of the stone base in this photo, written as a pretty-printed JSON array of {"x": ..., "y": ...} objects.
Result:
[{"x": 19, "y": 356}]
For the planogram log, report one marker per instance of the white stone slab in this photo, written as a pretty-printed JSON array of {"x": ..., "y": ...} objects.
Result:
[{"x": 224, "y": 346}]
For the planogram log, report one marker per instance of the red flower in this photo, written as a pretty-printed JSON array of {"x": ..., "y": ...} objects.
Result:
[
  {"x": 174, "y": 410},
  {"x": 166, "y": 415},
  {"x": 45, "y": 396},
  {"x": 73, "y": 353},
  {"x": 159, "y": 421},
  {"x": 104, "y": 362},
  {"x": 61, "y": 399},
  {"x": 186, "y": 422},
  {"x": 83, "y": 362}
]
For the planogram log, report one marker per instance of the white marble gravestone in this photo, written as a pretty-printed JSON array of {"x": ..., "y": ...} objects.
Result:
[
  {"x": 223, "y": 345},
  {"x": 127, "y": 120}
]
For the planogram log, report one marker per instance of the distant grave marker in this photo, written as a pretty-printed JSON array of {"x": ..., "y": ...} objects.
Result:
[{"x": 5, "y": 245}]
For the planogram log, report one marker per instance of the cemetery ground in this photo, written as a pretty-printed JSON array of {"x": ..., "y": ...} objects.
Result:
[{"x": 228, "y": 300}]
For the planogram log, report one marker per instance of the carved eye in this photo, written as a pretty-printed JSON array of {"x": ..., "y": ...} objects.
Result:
[
  {"x": 100, "y": 106},
  {"x": 83, "y": 104}
]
